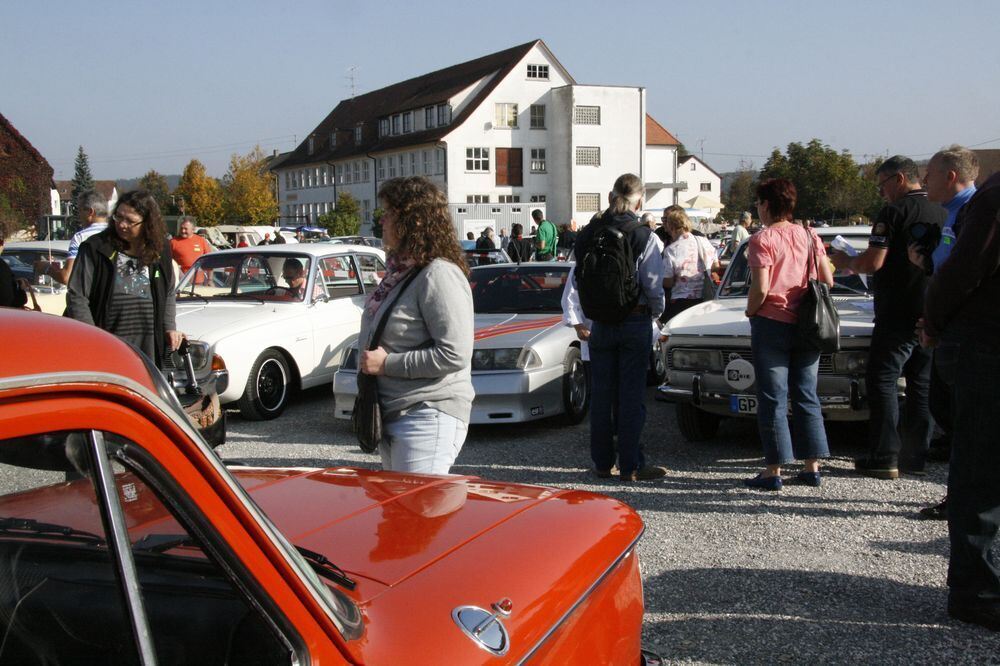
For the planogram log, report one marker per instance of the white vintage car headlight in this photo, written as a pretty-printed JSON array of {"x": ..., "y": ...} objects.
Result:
[
  {"x": 513, "y": 358},
  {"x": 853, "y": 362},
  {"x": 696, "y": 359}
]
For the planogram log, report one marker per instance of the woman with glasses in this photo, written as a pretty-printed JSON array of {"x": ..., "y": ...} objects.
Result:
[
  {"x": 780, "y": 267},
  {"x": 123, "y": 278}
]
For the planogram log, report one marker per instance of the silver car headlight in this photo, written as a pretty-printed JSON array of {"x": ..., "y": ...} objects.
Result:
[
  {"x": 350, "y": 360},
  {"x": 851, "y": 363},
  {"x": 512, "y": 358},
  {"x": 200, "y": 355},
  {"x": 696, "y": 359}
]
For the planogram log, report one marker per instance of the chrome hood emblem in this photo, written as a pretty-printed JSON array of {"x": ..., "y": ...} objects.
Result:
[{"x": 485, "y": 628}]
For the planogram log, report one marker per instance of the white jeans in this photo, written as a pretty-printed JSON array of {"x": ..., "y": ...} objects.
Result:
[{"x": 424, "y": 441}]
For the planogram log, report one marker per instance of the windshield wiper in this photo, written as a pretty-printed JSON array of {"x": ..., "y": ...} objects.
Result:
[
  {"x": 160, "y": 543},
  {"x": 191, "y": 294},
  {"x": 324, "y": 567},
  {"x": 31, "y": 527}
]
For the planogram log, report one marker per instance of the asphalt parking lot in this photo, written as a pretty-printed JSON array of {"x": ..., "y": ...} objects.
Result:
[{"x": 842, "y": 573}]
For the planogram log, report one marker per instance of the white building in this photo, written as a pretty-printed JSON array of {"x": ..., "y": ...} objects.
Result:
[
  {"x": 498, "y": 134},
  {"x": 700, "y": 178}
]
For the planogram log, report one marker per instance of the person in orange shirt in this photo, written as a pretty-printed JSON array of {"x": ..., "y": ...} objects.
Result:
[{"x": 187, "y": 246}]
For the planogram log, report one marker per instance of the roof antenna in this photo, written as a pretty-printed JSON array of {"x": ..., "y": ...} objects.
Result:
[{"x": 352, "y": 79}]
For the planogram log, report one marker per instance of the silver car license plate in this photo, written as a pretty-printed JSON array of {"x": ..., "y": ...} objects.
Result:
[{"x": 743, "y": 404}]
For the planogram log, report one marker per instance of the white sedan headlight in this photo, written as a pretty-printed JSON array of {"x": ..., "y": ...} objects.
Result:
[
  {"x": 513, "y": 358},
  {"x": 852, "y": 363}
]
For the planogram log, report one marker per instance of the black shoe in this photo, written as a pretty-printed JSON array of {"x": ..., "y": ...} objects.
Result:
[
  {"x": 913, "y": 469},
  {"x": 877, "y": 468},
  {"x": 604, "y": 473},
  {"x": 936, "y": 512},
  {"x": 646, "y": 473},
  {"x": 983, "y": 613}
]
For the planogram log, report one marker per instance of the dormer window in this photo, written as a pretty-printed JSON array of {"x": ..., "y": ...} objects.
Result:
[
  {"x": 383, "y": 127},
  {"x": 333, "y": 139},
  {"x": 429, "y": 117},
  {"x": 395, "y": 124},
  {"x": 357, "y": 135},
  {"x": 407, "y": 122},
  {"x": 311, "y": 145},
  {"x": 443, "y": 114}
]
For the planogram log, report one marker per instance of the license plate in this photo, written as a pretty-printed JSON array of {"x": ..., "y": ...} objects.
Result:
[{"x": 743, "y": 404}]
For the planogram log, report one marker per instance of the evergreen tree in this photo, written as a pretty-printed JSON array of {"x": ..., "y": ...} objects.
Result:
[{"x": 82, "y": 180}]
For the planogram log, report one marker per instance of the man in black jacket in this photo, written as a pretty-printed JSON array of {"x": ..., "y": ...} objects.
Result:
[{"x": 963, "y": 302}]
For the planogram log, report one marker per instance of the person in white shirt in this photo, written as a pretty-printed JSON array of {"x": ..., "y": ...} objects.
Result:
[
  {"x": 92, "y": 213},
  {"x": 686, "y": 262}
]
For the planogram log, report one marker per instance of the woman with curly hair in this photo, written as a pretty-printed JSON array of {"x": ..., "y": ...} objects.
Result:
[
  {"x": 123, "y": 278},
  {"x": 424, "y": 358}
]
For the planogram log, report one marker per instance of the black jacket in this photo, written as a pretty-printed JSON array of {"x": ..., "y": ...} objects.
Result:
[
  {"x": 520, "y": 249},
  {"x": 92, "y": 285},
  {"x": 11, "y": 295}
]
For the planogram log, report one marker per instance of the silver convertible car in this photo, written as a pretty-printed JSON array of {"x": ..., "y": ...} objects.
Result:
[
  {"x": 710, "y": 372},
  {"x": 526, "y": 364}
]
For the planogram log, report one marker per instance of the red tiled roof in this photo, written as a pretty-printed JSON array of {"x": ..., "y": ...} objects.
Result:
[
  {"x": 657, "y": 134},
  {"x": 104, "y": 187},
  {"x": 412, "y": 94}
]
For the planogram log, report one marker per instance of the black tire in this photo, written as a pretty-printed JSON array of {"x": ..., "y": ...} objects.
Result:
[
  {"x": 268, "y": 387},
  {"x": 696, "y": 424},
  {"x": 657, "y": 373},
  {"x": 575, "y": 387}
]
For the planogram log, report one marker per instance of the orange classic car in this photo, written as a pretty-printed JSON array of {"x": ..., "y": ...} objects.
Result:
[{"x": 124, "y": 539}]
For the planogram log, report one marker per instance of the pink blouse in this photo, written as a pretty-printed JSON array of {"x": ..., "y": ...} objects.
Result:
[{"x": 785, "y": 250}]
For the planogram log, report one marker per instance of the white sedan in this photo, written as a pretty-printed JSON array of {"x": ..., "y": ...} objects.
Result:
[
  {"x": 280, "y": 317},
  {"x": 51, "y": 295}
]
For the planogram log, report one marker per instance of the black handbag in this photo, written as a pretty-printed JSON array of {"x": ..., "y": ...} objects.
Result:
[
  {"x": 366, "y": 419},
  {"x": 818, "y": 326}
]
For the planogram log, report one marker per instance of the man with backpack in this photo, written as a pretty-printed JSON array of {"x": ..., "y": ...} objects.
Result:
[{"x": 619, "y": 276}]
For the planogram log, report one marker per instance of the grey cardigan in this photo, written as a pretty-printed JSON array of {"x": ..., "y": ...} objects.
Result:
[{"x": 428, "y": 337}]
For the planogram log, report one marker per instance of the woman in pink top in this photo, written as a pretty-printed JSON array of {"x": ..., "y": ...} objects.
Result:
[{"x": 780, "y": 268}]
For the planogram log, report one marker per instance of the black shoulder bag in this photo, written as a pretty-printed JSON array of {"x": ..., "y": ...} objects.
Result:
[
  {"x": 818, "y": 327},
  {"x": 366, "y": 419}
]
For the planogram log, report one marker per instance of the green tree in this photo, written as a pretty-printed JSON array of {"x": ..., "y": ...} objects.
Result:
[
  {"x": 82, "y": 180},
  {"x": 741, "y": 194},
  {"x": 247, "y": 192},
  {"x": 156, "y": 184},
  {"x": 377, "y": 222},
  {"x": 829, "y": 183},
  {"x": 200, "y": 193},
  {"x": 682, "y": 150},
  {"x": 345, "y": 219}
]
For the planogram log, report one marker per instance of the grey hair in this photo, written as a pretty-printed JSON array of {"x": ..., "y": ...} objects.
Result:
[
  {"x": 92, "y": 200},
  {"x": 648, "y": 219},
  {"x": 902, "y": 165},
  {"x": 626, "y": 193},
  {"x": 746, "y": 216},
  {"x": 961, "y": 160}
]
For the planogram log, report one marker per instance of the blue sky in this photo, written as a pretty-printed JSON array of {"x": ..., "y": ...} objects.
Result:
[{"x": 149, "y": 85}]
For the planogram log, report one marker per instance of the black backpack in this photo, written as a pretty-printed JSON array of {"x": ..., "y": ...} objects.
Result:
[{"x": 605, "y": 274}]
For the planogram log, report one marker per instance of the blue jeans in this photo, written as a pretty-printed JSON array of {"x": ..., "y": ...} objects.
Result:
[
  {"x": 894, "y": 353},
  {"x": 974, "y": 475},
  {"x": 619, "y": 357},
  {"x": 782, "y": 369},
  {"x": 424, "y": 441}
]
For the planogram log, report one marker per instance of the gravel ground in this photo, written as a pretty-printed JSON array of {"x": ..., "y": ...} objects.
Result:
[{"x": 841, "y": 573}]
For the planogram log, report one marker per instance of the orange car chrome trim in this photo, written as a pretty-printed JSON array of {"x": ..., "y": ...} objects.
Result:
[{"x": 600, "y": 579}]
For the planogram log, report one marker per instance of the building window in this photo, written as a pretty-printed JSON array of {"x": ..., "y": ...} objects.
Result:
[
  {"x": 477, "y": 159},
  {"x": 395, "y": 124},
  {"x": 364, "y": 171},
  {"x": 586, "y": 115},
  {"x": 357, "y": 135},
  {"x": 381, "y": 168},
  {"x": 413, "y": 163},
  {"x": 407, "y": 122},
  {"x": 537, "y": 116},
  {"x": 537, "y": 198},
  {"x": 694, "y": 166},
  {"x": 706, "y": 187},
  {"x": 324, "y": 176},
  {"x": 429, "y": 117},
  {"x": 427, "y": 162},
  {"x": 538, "y": 71},
  {"x": 588, "y": 156},
  {"x": 383, "y": 127},
  {"x": 312, "y": 144},
  {"x": 288, "y": 180},
  {"x": 340, "y": 174},
  {"x": 588, "y": 202},
  {"x": 347, "y": 173},
  {"x": 477, "y": 198},
  {"x": 444, "y": 114},
  {"x": 333, "y": 139},
  {"x": 537, "y": 160},
  {"x": 356, "y": 168},
  {"x": 392, "y": 166},
  {"x": 506, "y": 116},
  {"x": 509, "y": 198},
  {"x": 366, "y": 206},
  {"x": 439, "y": 156}
]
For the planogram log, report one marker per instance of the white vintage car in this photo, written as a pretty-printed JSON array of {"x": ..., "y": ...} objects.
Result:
[
  {"x": 274, "y": 334},
  {"x": 51, "y": 295},
  {"x": 526, "y": 363},
  {"x": 709, "y": 364}
]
